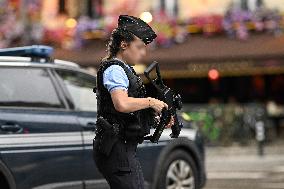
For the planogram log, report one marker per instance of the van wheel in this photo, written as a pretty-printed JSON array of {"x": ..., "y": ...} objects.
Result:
[
  {"x": 3, "y": 182},
  {"x": 178, "y": 172}
]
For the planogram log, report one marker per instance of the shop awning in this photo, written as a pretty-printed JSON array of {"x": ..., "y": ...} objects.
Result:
[{"x": 260, "y": 54}]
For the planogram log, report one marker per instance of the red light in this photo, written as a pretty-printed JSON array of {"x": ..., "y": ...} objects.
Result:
[{"x": 213, "y": 74}]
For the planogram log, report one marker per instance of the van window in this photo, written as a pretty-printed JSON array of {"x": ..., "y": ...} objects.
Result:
[
  {"x": 27, "y": 87},
  {"x": 80, "y": 87}
]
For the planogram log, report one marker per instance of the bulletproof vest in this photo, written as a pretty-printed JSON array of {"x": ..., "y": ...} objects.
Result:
[{"x": 105, "y": 107}]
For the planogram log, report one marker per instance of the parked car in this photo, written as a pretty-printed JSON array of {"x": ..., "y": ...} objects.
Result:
[{"x": 47, "y": 123}]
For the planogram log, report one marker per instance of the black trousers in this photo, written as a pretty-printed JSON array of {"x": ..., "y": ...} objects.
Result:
[{"x": 121, "y": 168}]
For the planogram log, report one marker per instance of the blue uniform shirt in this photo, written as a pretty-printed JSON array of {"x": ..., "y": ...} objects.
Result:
[{"x": 114, "y": 77}]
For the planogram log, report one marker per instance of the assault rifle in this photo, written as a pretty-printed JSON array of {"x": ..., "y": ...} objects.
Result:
[{"x": 168, "y": 96}]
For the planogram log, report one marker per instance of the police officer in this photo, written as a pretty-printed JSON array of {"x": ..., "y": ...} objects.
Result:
[{"x": 122, "y": 102}]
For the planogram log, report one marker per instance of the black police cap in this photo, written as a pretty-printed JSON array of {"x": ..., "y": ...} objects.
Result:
[{"x": 137, "y": 27}]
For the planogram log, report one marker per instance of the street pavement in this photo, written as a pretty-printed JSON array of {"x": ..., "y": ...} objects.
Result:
[
  {"x": 237, "y": 167},
  {"x": 242, "y": 168}
]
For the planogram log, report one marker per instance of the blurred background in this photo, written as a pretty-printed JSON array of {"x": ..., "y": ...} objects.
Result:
[{"x": 225, "y": 58}]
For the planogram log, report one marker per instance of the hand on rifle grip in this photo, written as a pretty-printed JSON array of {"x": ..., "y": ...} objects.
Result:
[{"x": 157, "y": 105}]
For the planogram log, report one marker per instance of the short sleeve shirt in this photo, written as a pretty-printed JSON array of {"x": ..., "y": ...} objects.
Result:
[{"x": 114, "y": 77}]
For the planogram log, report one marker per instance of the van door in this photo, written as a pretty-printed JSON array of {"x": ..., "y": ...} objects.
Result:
[{"x": 79, "y": 86}]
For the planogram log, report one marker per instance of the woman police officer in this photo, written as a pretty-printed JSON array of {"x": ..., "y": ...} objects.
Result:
[{"x": 121, "y": 100}]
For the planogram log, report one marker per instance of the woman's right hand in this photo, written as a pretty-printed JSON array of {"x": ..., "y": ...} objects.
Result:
[{"x": 157, "y": 105}]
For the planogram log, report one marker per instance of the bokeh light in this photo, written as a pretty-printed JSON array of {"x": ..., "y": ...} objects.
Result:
[
  {"x": 146, "y": 16},
  {"x": 70, "y": 23},
  {"x": 213, "y": 74}
]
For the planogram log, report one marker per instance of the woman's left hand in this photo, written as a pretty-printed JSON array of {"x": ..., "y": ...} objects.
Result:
[{"x": 171, "y": 123}]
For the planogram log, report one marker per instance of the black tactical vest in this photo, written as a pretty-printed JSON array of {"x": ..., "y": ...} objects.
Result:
[{"x": 143, "y": 118}]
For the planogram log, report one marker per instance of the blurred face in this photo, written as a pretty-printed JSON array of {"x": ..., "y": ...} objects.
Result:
[{"x": 134, "y": 51}]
